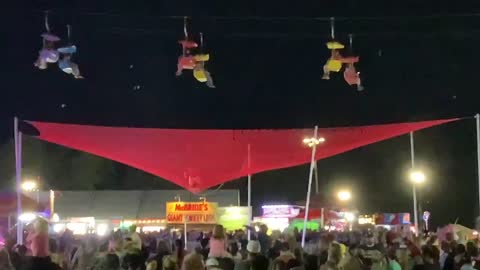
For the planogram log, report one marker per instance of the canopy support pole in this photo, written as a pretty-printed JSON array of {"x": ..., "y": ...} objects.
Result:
[
  {"x": 18, "y": 178},
  {"x": 249, "y": 196},
  {"x": 185, "y": 232},
  {"x": 477, "y": 118},
  {"x": 316, "y": 178},
  {"x": 309, "y": 189},
  {"x": 414, "y": 188},
  {"x": 52, "y": 202}
]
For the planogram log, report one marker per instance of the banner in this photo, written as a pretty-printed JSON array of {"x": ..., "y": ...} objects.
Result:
[{"x": 192, "y": 212}]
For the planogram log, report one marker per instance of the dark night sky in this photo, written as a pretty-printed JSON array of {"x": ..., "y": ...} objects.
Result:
[{"x": 268, "y": 69}]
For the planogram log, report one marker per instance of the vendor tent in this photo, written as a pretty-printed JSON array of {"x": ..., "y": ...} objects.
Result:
[{"x": 461, "y": 233}]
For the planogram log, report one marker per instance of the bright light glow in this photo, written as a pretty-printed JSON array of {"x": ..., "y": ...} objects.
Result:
[
  {"x": 312, "y": 141},
  {"x": 55, "y": 217},
  {"x": 29, "y": 185},
  {"x": 58, "y": 227},
  {"x": 147, "y": 229},
  {"x": 27, "y": 217},
  {"x": 234, "y": 212},
  {"x": 417, "y": 177},
  {"x": 365, "y": 220},
  {"x": 126, "y": 224},
  {"x": 77, "y": 228},
  {"x": 275, "y": 223},
  {"x": 475, "y": 233},
  {"x": 349, "y": 217},
  {"x": 257, "y": 229},
  {"x": 102, "y": 229},
  {"x": 344, "y": 195},
  {"x": 276, "y": 206}
]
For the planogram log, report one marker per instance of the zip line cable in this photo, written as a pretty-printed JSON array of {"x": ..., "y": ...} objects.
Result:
[
  {"x": 271, "y": 18},
  {"x": 272, "y": 27}
]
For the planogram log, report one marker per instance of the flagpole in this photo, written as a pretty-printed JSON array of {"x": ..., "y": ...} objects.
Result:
[
  {"x": 309, "y": 189},
  {"x": 18, "y": 178},
  {"x": 477, "y": 118},
  {"x": 249, "y": 198}
]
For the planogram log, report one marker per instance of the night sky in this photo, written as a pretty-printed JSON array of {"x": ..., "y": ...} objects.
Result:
[{"x": 418, "y": 62}]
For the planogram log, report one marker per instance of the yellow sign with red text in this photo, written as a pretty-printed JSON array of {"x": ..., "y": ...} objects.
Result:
[{"x": 192, "y": 212}]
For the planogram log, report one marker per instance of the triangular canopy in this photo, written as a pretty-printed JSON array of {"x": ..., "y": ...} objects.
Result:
[{"x": 199, "y": 159}]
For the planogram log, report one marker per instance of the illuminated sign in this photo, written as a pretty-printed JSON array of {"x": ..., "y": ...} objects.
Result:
[
  {"x": 233, "y": 217},
  {"x": 129, "y": 222},
  {"x": 273, "y": 211},
  {"x": 363, "y": 220},
  {"x": 191, "y": 212}
]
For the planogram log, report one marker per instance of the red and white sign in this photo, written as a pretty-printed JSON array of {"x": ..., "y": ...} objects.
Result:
[{"x": 275, "y": 211}]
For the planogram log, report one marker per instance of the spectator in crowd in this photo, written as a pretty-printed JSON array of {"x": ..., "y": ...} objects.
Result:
[
  {"x": 85, "y": 255},
  {"x": 234, "y": 252},
  {"x": 260, "y": 262},
  {"x": 112, "y": 262},
  {"x": 5, "y": 263},
  {"x": 254, "y": 250},
  {"x": 179, "y": 252},
  {"x": 204, "y": 249},
  {"x": 285, "y": 253},
  {"x": 133, "y": 261},
  {"x": 263, "y": 238},
  {"x": 243, "y": 248},
  {"x": 217, "y": 242},
  {"x": 193, "y": 261}
]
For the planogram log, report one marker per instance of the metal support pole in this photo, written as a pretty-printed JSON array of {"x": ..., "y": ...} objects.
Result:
[
  {"x": 185, "y": 232},
  {"x": 18, "y": 178},
  {"x": 415, "y": 211},
  {"x": 52, "y": 202},
  {"x": 309, "y": 189},
  {"x": 477, "y": 118},
  {"x": 414, "y": 189},
  {"x": 249, "y": 198}
]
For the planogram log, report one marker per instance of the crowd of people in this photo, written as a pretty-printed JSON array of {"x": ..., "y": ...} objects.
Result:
[{"x": 221, "y": 250}]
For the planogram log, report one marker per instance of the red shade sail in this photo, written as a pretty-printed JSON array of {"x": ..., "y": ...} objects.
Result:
[{"x": 199, "y": 159}]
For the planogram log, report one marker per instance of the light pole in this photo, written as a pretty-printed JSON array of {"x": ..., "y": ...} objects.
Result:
[
  {"x": 312, "y": 143},
  {"x": 417, "y": 177}
]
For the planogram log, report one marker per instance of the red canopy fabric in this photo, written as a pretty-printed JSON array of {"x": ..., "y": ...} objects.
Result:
[
  {"x": 314, "y": 213},
  {"x": 199, "y": 159}
]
